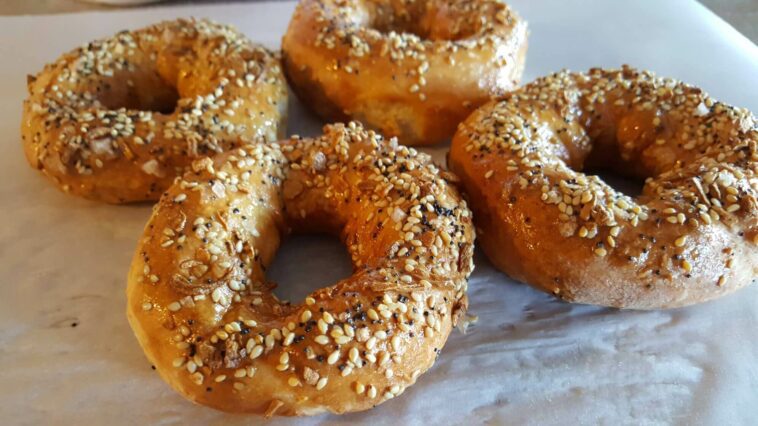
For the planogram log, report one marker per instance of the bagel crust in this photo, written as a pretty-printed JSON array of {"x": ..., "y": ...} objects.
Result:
[
  {"x": 92, "y": 121},
  {"x": 201, "y": 307},
  {"x": 412, "y": 69},
  {"x": 689, "y": 237}
]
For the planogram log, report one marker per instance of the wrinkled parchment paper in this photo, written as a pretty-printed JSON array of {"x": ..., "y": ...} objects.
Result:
[{"x": 67, "y": 354}]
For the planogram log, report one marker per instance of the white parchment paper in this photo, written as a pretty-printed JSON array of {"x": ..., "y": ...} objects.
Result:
[{"x": 67, "y": 354}]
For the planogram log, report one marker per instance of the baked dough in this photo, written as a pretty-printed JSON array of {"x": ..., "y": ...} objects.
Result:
[
  {"x": 411, "y": 69},
  {"x": 204, "y": 313},
  {"x": 690, "y": 236},
  {"x": 118, "y": 119}
]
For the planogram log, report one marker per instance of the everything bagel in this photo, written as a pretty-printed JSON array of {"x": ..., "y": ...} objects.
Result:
[
  {"x": 411, "y": 69},
  {"x": 692, "y": 234},
  {"x": 201, "y": 307},
  {"x": 118, "y": 119}
]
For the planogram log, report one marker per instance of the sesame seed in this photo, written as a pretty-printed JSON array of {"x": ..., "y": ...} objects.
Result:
[
  {"x": 197, "y": 378},
  {"x": 373, "y": 315},
  {"x": 305, "y": 316},
  {"x": 256, "y": 352},
  {"x": 353, "y": 355},
  {"x": 395, "y": 342},
  {"x": 371, "y": 392},
  {"x": 333, "y": 357},
  {"x": 321, "y": 383},
  {"x": 346, "y": 371},
  {"x": 341, "y": 340},
  {"x": 288, "y": 339},
  {"x": 371, "y": 343},
  {"x": 217, "y": 294}
]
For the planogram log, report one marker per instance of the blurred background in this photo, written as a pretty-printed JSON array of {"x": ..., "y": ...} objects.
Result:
[{"x": 741, "y": 14}]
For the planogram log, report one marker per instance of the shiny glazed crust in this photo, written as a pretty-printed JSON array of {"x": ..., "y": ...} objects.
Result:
[
  {"x": 201, "y": 307},
  {"x": 411, "y": 69},
  {"x": 91, "y": 124},
  {"x": 691, "y": 235}
]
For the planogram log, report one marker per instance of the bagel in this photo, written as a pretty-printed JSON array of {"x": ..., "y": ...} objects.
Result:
[
  {"x": 117, "y": 119},
  {"x": 412, "y": 69},
  {"x": 201, "y": 307},
  {"x": 690, "y": 236}
]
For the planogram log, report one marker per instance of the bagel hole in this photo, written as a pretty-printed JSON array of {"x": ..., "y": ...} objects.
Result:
[
  {"x": 606, "y": 162},
  {"x": 427, "y": 21},
  {"x": 150, "y": 94},
  {"x": 308, "y": 262},
  {"x": 386, "y": 26}
]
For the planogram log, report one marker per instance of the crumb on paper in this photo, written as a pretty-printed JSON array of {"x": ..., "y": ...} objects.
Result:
[{"x": 467, "y": 321}]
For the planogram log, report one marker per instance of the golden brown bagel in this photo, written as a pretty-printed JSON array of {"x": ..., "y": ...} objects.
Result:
[
  {"x": 691, "y": 235},
  {"x": 201, "y": 307},
  {"x": 103, "y": 121},
  {"x": 412, "y": 69}
]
